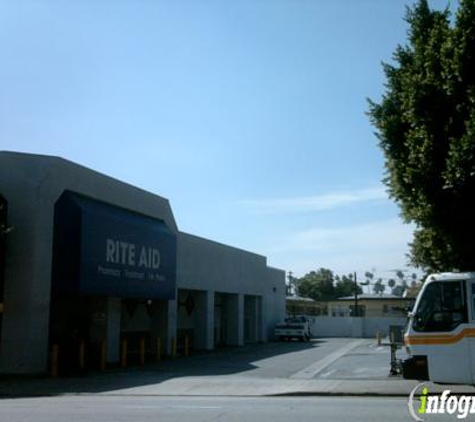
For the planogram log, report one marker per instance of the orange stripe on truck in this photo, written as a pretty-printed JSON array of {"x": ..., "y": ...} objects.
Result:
[{"x": 439, "y": 339}]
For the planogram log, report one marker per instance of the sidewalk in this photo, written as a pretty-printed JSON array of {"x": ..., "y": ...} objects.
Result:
[{"x": 149, "y": 384}]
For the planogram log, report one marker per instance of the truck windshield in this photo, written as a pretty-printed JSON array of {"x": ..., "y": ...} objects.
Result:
[{"x": 442, "y": 307}]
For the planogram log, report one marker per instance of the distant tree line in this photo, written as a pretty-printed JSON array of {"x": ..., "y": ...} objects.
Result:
[{"x": 323, "y": 284}]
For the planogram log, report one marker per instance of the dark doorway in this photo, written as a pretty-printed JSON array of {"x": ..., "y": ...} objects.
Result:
[
  {"x": 70, "y": 324},
  {"x": 3, "y": 233}
]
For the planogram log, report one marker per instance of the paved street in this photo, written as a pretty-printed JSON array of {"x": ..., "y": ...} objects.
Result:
[{"x": 163, "y": 409}]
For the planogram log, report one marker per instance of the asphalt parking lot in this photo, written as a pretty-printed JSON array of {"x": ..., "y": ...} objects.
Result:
[
  {"x": 321, "y": 358},
  {"x": 323, "y": 365},
  {"x": 367, "y": 361}
]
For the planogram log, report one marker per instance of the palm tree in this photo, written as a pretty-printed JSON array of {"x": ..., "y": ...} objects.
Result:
[
  {"x": 391, "y": 284},
  {"x": 369, "y": 277},
  {"x": 379, "y": 287}
]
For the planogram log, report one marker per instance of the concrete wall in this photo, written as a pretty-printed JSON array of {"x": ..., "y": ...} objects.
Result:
[
  {"x": 353, "y": 327},
  {"x": 373, "y": 325},
  {"x": 235, "y": 321},
  {"x": 201, "y": 318},
  {"x": 204, "y": 264},
  {"x": 207, "y": 265},
  {"x": 273, "y": 308}
]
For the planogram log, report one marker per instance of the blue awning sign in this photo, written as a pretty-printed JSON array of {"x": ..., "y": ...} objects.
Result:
[{"x": 104, "y": 250}]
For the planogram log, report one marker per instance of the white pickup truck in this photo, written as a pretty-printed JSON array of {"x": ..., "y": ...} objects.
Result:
[{"x": 294, "y": 327}]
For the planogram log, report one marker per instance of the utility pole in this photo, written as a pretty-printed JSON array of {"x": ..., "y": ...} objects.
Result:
[
  {"x": 356, "y": 296},
  {"x": 289, "y": 286}
]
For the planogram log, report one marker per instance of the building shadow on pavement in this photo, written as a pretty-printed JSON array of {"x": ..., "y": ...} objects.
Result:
[{"x": 220, "y": 362}]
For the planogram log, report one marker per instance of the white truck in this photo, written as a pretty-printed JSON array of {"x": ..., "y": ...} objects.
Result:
[
  {"x": 440, "y": 335},
  {"x": 294, "y": 327}
]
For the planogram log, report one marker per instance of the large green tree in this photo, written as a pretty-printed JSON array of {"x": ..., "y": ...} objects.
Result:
[
  {"x": 323, "y": 284},
  {"x": 345, "y": 286},
  {"x": 425, "y": 123},
  {"x": 379, "y": 287},
  {"x": 317, "y": 285}
]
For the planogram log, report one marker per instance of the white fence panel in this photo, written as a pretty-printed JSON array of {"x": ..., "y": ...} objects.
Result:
[{"x": 325, "y": 326}]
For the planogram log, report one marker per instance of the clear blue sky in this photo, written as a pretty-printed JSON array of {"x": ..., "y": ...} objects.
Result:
[{"x": 248, "y": 115}]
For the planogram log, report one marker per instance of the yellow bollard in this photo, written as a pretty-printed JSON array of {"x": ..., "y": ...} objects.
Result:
[
  {"x": 103, "y": 355},
  {"x": 187, "y": 345},
  {"x": 173, "y": 347},
  {"x": 82, "y": 354},
  {"x": 54, "y": 358},
  {"x": 123, "y": 353},
  {"x": 159, "y": 348},
  {"x": 142, "y": 351}
]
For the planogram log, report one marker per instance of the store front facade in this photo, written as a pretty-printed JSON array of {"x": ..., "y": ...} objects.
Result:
[{"x": 92, "y": 262}]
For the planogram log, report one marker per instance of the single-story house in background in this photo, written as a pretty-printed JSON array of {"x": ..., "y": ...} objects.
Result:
[
  {"x": 371, "y": 306},
  {"x": 297, "y": 305}
]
